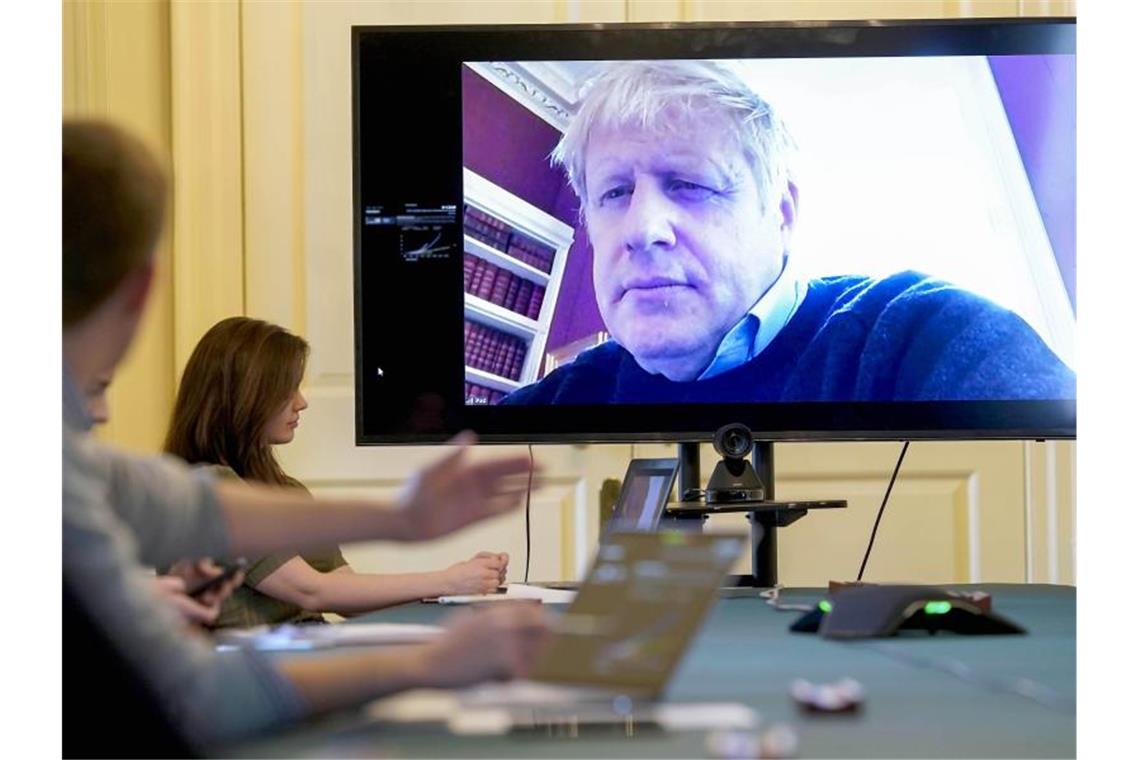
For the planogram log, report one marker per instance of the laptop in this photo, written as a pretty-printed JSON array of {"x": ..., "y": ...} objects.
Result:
[
  {"x": 644, "y": 493},
  {"x": 640, "y": 503},
  {"x": 615, "y": 649},
  {"x": 639, "y": 507}
]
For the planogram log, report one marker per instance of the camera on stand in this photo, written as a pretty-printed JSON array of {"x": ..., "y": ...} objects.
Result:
[
  {"x": 742, "y": 485},
  {"x": 734, "y": 479}
]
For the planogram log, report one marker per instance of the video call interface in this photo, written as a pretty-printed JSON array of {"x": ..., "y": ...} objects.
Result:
[{"x": 861, "y": 229}]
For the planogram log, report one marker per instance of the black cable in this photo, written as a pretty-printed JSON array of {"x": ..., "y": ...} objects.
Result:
[
  {"x": 529, "y": 480},
  {"x": 887, "y": 495}
]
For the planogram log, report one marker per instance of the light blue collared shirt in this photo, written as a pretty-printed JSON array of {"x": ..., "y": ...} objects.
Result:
[{"x": 759, "y": 326}]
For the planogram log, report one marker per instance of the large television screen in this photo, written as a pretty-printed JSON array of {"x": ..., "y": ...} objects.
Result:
[{"x": 824, "y": 231}]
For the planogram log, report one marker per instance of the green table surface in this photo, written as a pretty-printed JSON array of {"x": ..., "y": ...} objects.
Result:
[{"x": 926, "y": 696}]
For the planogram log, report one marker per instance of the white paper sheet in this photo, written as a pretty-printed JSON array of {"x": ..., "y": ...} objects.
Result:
[
  {"x": 293, "y": 637},
  {"x": 515, "y": 591}
]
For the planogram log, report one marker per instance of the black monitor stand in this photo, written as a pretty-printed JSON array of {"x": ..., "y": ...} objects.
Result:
[{"x": 763, "y": 516}]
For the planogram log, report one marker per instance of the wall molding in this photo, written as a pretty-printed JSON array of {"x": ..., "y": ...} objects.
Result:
[
  {"x": 1050, "y": 511},
  {"x": 208, "y": 215},
  {"x": 116, "y": 59},
  {"x": 273, "y": 120},
  {"x": 539, "y": 87}
]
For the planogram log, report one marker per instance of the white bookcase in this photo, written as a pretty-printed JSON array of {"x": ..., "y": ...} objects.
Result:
[{"x": 535, "y": 223}]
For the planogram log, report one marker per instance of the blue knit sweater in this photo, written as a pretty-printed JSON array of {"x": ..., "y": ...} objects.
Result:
[{"x": 906, "y": 337}]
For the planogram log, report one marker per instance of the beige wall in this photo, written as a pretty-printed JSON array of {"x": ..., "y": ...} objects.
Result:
[
  {"x": 250, "y": 103},
  {"x": 116, "y": 64}
]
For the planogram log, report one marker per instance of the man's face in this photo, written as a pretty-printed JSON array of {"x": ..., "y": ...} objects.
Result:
[{"x": 681, "y": 248}]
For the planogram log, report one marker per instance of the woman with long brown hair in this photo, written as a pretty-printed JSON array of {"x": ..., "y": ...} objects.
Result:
[{"x": 238, "y": 398}]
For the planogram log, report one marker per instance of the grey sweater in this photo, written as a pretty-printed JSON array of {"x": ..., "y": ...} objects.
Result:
[{"x": 121, "y": 513}]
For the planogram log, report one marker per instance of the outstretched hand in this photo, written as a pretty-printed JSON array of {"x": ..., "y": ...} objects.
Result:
[{"x": 455, "y": 492}]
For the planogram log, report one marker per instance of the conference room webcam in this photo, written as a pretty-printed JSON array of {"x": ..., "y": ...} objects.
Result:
[
  {"x": 733, "y": 441},
  {"x": 734, "y": 479}
]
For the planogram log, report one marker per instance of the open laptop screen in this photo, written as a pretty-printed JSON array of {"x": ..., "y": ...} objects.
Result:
[
  {"x": 644, "y": 492},
  {"x": 638, "y": 610}
]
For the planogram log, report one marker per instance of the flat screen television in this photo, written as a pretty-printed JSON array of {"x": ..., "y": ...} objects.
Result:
[{"x": 823, "y": 231}]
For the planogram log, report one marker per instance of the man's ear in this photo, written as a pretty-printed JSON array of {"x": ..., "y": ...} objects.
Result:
[
  {"x": 137, "y": 286},
  {"x": 789, "y": 212},
  {"x": 789, "y": 206}
]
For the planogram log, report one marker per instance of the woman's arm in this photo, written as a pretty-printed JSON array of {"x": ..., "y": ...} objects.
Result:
[
  {"x": 350, "y": 593},
  {"x": 440, "y": 498}
]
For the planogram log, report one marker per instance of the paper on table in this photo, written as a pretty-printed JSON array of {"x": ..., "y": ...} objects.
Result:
[
  {"x": 515, "y": 591},
  {"x": 545, "y": 595},
  {"x": 288, "y": 637},
  {"x": 415, "y": 706}
]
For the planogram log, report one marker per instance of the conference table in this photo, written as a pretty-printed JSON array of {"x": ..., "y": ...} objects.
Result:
[{"x": 945, "y": 695}]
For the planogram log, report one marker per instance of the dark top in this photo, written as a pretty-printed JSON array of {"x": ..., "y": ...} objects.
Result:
[
  {"x": 248, "y": 607},
  {"x": 101, "y": 687},
  {"x": 907, "y": 337}
]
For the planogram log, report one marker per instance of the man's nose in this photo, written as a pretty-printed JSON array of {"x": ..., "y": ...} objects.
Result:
[{"x": 648, "y": 220}]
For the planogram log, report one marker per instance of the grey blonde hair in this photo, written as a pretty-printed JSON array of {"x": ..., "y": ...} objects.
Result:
[{"x": 660, "y": 96}]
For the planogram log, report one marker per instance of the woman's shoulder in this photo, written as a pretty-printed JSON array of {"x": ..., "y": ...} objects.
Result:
[
  {"x": 221, "y": 471},
  {"x": 225, "y": 472}
]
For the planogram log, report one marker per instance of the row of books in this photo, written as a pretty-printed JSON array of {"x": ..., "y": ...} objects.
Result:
[
  {"x": 477, "y": 395},
  {"x": 493, "y": 351},
  {"x": 501, "y": 287},
  {"x": 502, "y": 237}
]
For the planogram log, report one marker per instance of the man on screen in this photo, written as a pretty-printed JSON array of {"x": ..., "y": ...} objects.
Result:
[{"x": 687, "y": 193}]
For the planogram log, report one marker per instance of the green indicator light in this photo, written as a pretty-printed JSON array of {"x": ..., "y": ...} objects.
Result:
[
  {"x": 825, "y": 606},
  {"x": 936, "y": 608},
  {"x": 672, "y": 538}
]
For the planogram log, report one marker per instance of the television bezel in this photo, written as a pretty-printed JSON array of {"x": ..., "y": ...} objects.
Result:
[{"x": 799, "y": 421}]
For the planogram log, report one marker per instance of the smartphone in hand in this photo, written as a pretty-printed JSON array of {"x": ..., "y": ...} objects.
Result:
[{"x": 229, "y": 570}]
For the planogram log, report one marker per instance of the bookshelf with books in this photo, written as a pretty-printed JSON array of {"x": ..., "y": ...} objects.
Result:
[{"x": 513, "y": 259}]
